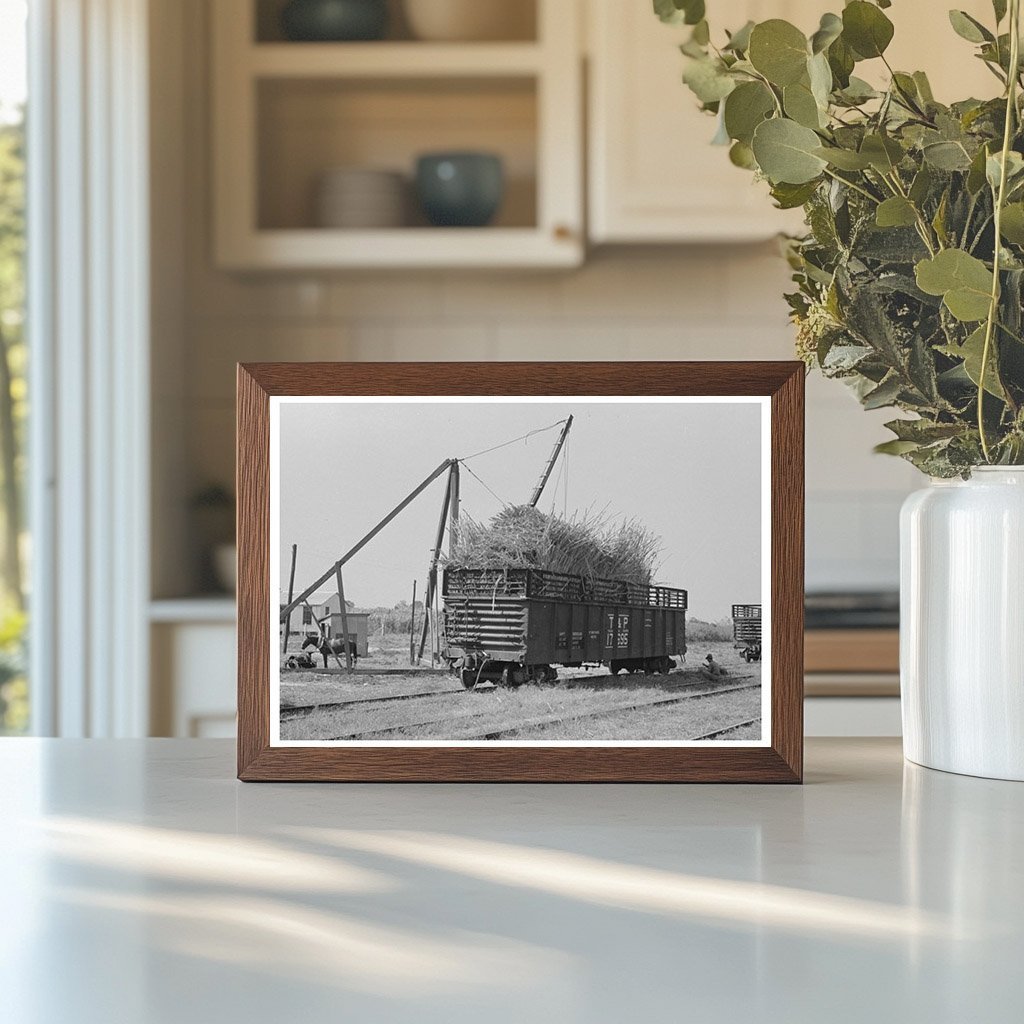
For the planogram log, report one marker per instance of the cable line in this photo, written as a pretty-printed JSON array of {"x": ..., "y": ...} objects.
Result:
[
  {"x": 502, "y": 500},
  {"x": 486, "y": 451}
]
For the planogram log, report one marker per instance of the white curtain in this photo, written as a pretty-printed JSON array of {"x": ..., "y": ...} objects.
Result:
[{"x": 88, "y": 318}]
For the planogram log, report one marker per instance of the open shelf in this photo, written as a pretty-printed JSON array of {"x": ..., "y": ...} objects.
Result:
[
  {"x": 308, "y": 127},
  {"x": 287, "y": 113}
]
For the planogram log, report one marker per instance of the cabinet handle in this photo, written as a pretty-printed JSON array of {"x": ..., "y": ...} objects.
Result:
[{"x": 563, "y": 232}]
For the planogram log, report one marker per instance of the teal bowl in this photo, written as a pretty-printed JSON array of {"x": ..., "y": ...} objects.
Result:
[
  {"x": 334, "y": 21},
  {"x": 460, "y": 190}
]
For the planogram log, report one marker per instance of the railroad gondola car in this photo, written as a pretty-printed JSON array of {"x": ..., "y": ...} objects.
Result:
[
  {"x": 746, "y": 630},
  {"x": 516, "y": 625}
]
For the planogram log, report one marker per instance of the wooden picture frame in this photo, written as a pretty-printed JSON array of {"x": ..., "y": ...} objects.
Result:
[{"x": 780, "y": 759}]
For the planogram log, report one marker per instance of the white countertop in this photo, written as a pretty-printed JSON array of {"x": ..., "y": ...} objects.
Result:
[{"x": 143, "y": 885}]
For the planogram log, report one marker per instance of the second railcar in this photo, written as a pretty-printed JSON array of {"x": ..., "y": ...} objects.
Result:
[
  {"x": 515, "y": 625},
  {"x": 746, "y": 630}
]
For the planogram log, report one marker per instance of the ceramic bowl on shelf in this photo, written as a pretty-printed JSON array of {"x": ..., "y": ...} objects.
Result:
[
  {"x": 460, "y": 189},
  {"x": 361, "y": 198},
  {"x": 470, "y": 20},
  {"x": 332, "y": 21}
]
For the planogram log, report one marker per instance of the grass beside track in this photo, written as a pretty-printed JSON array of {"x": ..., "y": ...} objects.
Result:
[{"x": 503, "y": 709}]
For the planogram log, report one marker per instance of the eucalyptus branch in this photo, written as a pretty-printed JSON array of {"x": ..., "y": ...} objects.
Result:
[{"x": 1000, "y": 199}]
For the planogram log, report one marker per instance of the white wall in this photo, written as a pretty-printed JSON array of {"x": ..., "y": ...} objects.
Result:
[{"x": 656, "y": 303}]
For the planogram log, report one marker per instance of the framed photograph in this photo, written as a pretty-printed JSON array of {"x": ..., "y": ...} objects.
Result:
[{"x": 520, "y": 572}]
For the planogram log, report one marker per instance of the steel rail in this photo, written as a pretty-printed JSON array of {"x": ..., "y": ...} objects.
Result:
[
  {"x": 547, "y": 720},
  {"x": 305, "y": 710},
  {"x": 728, "y": 728}
]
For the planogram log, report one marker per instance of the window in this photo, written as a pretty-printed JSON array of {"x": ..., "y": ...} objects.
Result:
[{"x": 14, "y": 551}]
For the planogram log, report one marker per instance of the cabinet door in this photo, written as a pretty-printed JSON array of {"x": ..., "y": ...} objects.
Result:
[{"x": 653, "y": 174}]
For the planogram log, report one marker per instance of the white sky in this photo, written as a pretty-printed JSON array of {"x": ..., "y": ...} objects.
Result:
[
  {"x": 12, "y": 55},
  {"x": 690, "y": 473}
]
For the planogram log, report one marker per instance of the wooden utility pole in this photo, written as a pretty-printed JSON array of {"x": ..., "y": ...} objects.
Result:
[
  {"x": 453, "y": 483},
  {"x": 553, "y": 458},
  {"x": 412, "y": 627},
  {"x": 291, "y": 592},
  {"x": 435, "y": 556},
  {"x": 344, "y": 620}
]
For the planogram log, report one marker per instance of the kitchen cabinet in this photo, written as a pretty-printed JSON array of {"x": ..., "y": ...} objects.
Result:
[
  {"x": 286, "y": 113},
  {"x": 653, "y": 175}
]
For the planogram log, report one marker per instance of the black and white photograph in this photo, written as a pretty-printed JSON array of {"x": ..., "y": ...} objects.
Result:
[{"x": 551, "y": 571}]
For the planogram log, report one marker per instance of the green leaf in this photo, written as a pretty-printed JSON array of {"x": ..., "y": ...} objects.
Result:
[
  {"x": 800, "y": 105},
  {"x": 844, "y": 159},
  {"x": 884, "y": 395},
  {"x": 921, "y": 185},
  {"x": 866, "y": 29},
  {"x": 841, "y": 60},
  {"x": 676, "y": 12},
  {"x": 739, "y": 41},
  {"x": 746, "y": 107},
  {"x": 946, "y": 156},
  {"x": 778, "y": 50},
  {"x": 883, "y": 153},
  {"x": 924, "y": 87},
  {"x": 785, "y": 152},
  {"x": 895, "y": 447},
  {"x": 969, "y": 28},
  {"x": 999, "y": 7},
  {"x": 939, "y": 220},
  {"x": 708, "y": 80},
  {"x": 971, "y": 352},
  {"x": 896, "y": 212},
  {"x": 741, "y": 155},
  {"x": 1014, "y": 169},
  {"x": 789, "y": 197},
  {"x": 1012, "y": 224},
  {"x": 858, "y": 91},
  {"x": 976, "y": 173},
  {"x": 963, "y": 281},
  {"x": 829, "y": 30},
  {"x": 820, "y": 76}
]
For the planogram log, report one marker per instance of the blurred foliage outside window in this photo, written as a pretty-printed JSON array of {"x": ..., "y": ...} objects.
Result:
[{"x": 14, "y": 693}]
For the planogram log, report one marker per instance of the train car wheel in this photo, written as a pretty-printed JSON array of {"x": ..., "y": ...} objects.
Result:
[
  {"x": 514, "y": 676},
  {"x": 469, "y": 677}
]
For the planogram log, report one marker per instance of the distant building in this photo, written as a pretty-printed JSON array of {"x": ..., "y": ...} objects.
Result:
[
  {"x": 327, "y": 608},
  {"x": 358, "y": 629}
]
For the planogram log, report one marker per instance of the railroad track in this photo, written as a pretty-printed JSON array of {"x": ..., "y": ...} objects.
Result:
[
  {"x": 532, "y": 723},
  {"x": 719, "y": 733},
  {"x": 294, "y": 711}
]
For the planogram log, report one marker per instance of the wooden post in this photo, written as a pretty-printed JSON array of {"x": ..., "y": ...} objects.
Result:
[
  {"x": 320, "y": 630},
  {"x": 291, "y": 594},
  {"x": 453, "y": 535},
  {"x": 432, "y": 573},
  {"x": 344, "y": 620},
  {"x": 412, "y": 627},
  {"x": 550, "y": 465}
]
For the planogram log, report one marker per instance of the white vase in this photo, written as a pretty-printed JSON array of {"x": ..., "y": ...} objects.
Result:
[{"x": 962, "y": 624}]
